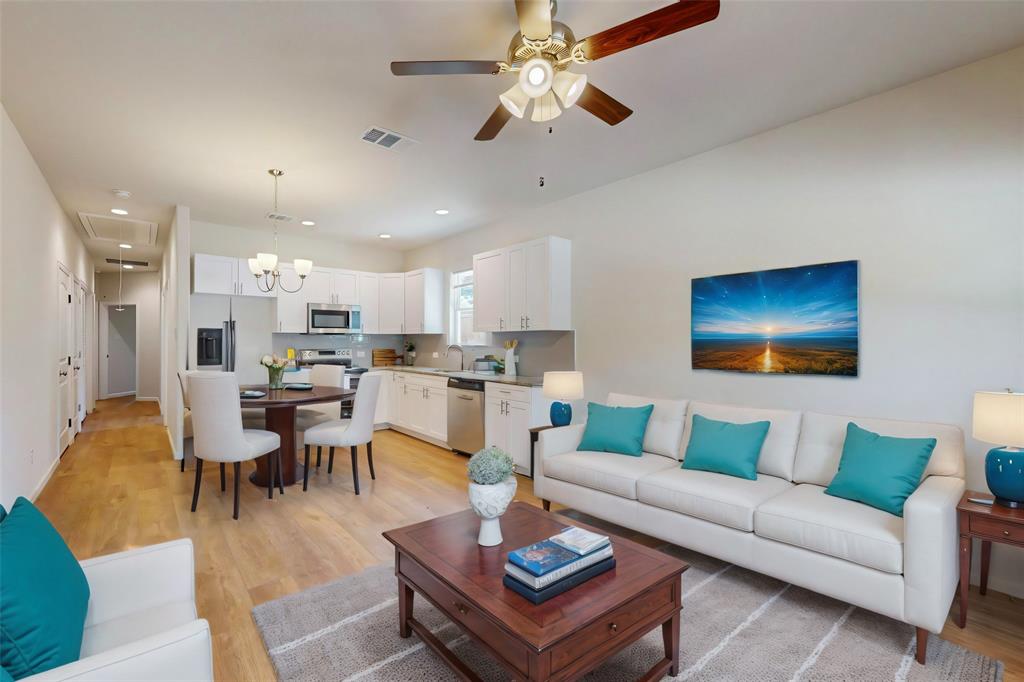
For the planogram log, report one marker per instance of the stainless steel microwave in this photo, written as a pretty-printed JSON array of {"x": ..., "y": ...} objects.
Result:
[{"x": 327, "y": 318}]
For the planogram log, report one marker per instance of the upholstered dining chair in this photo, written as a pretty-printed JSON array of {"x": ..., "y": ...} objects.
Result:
[
  {"x": 218, "y": 433},
  {"x": 309, "y": 416},
  {"x": 349, "y": 433}
]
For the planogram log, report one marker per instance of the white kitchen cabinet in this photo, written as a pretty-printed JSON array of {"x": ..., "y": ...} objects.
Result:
[
  {"x": 436, "y": 404},
  {"x": 345, "y": 287},
  {"x": 424, "y": 301},
  {"x": 369, "y": 302},
  {"x": 246, "y": 282},
  {"x": 417, "y": 404},
  {"x": 317, "y": 287},
  {"x": 398, "y": 400},
  {"x": 510, "y": 412},
  {"x": 214, "y": 274},
  {"x": 524, "y": 287},
  {"x": 392, "y": 303},
  {"x": 290, "y": 311},
  {"x": 490, "y": 291}
]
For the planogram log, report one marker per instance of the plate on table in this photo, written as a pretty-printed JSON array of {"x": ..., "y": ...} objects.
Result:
[
  {"x": 299, "y": 387},
  {"x": 251, "y": 394}
]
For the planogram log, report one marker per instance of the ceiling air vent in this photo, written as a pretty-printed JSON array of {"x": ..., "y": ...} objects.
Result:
[
  {"x": 388, "y": 139},
  {"x": 136, "y": 263},
  {"x": 280, "y": 217}
]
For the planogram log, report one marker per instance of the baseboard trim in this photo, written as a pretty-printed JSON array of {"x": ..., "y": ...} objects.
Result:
[
  {"x": 170, "y": 443},
  {"x": 147, "y": 399},
  {"x": 46, "y": 479}
]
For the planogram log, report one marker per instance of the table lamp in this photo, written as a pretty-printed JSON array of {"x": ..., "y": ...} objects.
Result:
[
  {"x": 562, "y": 386},
  {"x": 999, "y": 418}
]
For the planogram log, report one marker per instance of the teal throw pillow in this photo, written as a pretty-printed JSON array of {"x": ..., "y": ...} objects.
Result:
[
  {"x": 3, "y": 512},
  {"x": 43, "y": 595},
  {"x": 616, "y": 429},
  {"x": 724, "y": 447},
  {"x": 880, "y": 471}
]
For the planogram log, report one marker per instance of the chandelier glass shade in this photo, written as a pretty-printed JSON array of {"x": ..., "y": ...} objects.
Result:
[{"x": 265, "y": 264}]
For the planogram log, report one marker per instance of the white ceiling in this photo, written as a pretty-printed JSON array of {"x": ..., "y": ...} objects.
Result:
[{"x": 190, "y": 103}]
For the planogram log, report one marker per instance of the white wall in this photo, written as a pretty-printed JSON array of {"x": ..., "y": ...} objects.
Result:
[
  {"x": 244, "y": 242},
  {"x": 35, "y": 234},
  {"x": 924, "y": 185},
  {"x": 174, "y": 294},
  {"x": 141, "y": 289}
]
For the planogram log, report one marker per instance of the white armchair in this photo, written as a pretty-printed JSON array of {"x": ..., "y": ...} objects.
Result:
[{"x": 142, "y": 622}]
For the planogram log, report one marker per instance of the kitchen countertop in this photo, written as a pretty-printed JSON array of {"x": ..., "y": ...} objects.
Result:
[{"x": 440, "y": 372}]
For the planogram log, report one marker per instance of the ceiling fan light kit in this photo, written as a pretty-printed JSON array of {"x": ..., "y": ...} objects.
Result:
[{"x": 542, "y": 51}]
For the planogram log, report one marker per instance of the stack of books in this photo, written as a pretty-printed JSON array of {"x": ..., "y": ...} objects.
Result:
[{"x": 547, "y": 569}]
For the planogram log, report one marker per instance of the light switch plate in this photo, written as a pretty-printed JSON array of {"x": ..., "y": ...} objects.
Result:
[
  {"x": 360, "y": 353},
  {"x": 436, "y": 355}
]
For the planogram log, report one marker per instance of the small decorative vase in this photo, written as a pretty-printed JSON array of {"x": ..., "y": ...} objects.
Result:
[
  {"x": 1004, "y": 473},
  {"x": 490, "y": 502},
  {"x": 510, "y": 362},
  {"x": 276, "y": 376}
]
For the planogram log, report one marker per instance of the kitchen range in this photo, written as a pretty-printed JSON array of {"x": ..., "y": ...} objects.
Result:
[{"x": 338, "y": 356}]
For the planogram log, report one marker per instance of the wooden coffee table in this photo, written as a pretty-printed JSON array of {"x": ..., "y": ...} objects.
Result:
[{"x": 563, "y": 638}]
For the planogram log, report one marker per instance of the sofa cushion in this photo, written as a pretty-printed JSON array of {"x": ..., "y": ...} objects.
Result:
[
  {"x": 779, "y": 447},
  {"x": 615, "y": 429},
  {"x": 822, "y": 437},
  {"x": 724, "y": 447},
  {"x": 605, "y": 472},
  {"x": 725, "y": 500},
  {"x": 806, "y": 517},
  {"x": 664, "y": 435},
  {"x": 135, "y": 626}
]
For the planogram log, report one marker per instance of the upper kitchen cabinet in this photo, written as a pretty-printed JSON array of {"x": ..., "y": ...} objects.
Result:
[
  {"x": 247, "y": 283},
  {"x": 424, "y": 301},
  {"x": 224, "y": 275},
  {"x": 369, "y": 302},
  {"x": 345, "y": 287},
  {"x": 524, "y": 287},
  {"x": 391, "y": 314}
]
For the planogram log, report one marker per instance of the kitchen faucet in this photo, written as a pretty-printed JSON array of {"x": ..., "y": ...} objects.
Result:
[{"x": 462, "y": 355}]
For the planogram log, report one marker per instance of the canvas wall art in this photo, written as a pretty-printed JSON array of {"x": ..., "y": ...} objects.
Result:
[{"x": 800, "y": 320}]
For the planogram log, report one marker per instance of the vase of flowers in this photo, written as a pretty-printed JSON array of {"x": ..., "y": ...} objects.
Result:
[
  {"x": 275, "y": 370},
  {"x": 492, "y": 485}
]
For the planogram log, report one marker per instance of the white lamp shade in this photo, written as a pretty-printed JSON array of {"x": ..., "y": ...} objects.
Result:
[
  {"x": 999, "y": 418},
  {"x": 545, "y": 108},
  {"x": 535, "y": 77},
  {"x": 267, "y": 261},
  {"x": 303, "y": 267},
  {"x": 563, "y": 385},
  {"x": 569, "y": 87},
  {"x": 254, "y": 266},
  {"x": 515, "y": 100}
]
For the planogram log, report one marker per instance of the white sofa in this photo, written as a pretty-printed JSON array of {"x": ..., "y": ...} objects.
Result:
[
  {"x": 782, "y": 524},
  {"x": 141, "y": 623}
]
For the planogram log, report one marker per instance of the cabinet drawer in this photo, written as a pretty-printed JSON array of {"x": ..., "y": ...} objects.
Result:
[
  {"x": 994, "y": 528},
  {"x": 493, "y": 389},
  {"x": 471, "y": 620},
  {"x": 433, "y": 383},
  {"x": 615, "y": 624}
]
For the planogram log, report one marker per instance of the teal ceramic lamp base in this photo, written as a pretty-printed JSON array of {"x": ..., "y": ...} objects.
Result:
[
  {"x": 561, "y": 414},
  {"x": 1004, "y": 473}
]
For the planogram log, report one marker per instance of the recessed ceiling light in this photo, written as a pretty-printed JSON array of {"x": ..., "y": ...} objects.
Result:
[
  {"x": 118, "y": 211},
  {"x": 128, "y": 267},
  {"x": 308, "y": 223},
  {"x": 384, "y": 235},
  {"x": 124, "y": 246},
  {"x": 441, "y": 211}
]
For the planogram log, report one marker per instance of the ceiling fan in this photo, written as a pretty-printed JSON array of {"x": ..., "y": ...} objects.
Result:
[{"x": 542, "y": 51}]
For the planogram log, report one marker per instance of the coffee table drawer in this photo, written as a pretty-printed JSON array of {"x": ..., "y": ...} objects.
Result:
[
  {"x": 471, "y": 620},
  {"x": 612, "y": 625},
  {"x": 994, "y": 528}
]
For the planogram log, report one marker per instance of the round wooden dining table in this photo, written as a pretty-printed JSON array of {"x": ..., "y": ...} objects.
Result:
[{"x": 280, "y": 407}]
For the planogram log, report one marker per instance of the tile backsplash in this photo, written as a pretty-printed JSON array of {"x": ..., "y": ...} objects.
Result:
[{"x": 361, "y": 344}]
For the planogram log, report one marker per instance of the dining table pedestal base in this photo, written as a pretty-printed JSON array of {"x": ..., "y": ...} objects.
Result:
[{"x": 280, "y": 420}]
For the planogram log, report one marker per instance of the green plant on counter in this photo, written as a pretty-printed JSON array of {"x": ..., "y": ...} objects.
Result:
[
  {"x": 489, "y": 466},
  {"x": 410, "y": 347}
]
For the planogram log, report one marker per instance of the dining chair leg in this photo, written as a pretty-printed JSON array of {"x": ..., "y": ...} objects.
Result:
[
  {"x": 183, "y": 464},
  {"x": 223, "y": 487},
  {"x": 199, "y": 479},
  {"x": 280, "y": 473},
  {"x": 369, "y": 458},
  {"x": 319, "y": 451},
  {"x": 330, "y": 461},
  {"x": 305, "y": 472},
  {"x": 238, "y": 477},
  {"x": 270, "y": 478},
  {"x": 355, "y": 468}
]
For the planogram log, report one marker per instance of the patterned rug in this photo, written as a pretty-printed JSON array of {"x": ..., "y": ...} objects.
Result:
[{"x": 736, "y": 625}]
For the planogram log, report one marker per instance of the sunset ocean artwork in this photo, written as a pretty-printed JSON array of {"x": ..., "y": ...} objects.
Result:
[{"x": 800, "y": 320}]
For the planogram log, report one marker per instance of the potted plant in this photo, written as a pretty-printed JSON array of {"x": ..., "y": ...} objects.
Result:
[
  {"x": 492, "y": 485},
  {"x": 410, "y": 353},
  {"x": 275, "y": 370}
]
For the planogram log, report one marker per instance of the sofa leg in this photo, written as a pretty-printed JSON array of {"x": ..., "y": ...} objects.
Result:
[
  {"x": 547, "y": 504},
  {"x": 922, "y": 645}
]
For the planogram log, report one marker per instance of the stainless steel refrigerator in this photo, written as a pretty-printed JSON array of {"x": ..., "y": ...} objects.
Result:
[{"x": 245, "y": 325}]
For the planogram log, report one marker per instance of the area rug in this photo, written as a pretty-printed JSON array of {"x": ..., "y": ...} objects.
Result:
[{"x": 736, "y": 625}]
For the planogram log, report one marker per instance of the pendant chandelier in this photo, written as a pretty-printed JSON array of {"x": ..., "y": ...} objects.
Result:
[{"x": 265, "y": 264}]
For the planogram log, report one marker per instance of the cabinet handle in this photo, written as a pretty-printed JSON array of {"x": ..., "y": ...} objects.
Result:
[
  {"x": 461, "y": 609},
  {"x": 522, "y": 322},
  {"x": 613, "y": 627},
  {"x": 501, "y": 323},
  {"x": 527, "y": 321},
  {"x": 1006, "y": 533}
]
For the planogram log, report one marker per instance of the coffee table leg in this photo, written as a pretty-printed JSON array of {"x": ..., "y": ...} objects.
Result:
[
  {"x": 405, "y": 595},
  {"x": 670, "y": 633}
]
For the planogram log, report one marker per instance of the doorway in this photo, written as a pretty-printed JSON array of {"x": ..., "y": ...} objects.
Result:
[{"x": 118, "y": 356}]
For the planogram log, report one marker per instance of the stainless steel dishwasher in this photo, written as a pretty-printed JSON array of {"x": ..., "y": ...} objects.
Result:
[{"x": 465, "y": 415}]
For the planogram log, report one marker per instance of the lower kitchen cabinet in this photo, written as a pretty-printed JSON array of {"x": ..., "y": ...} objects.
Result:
[
  {"x": 509, "y": 414},
  {"x": 419, "y": 404}
]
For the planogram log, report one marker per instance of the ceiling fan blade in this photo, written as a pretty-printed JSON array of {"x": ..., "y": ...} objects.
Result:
[
  {"x": 602, "y": 105},
  {"x": 494, "y": 124},
  {"x": 663, "y": 22},
  {"x": 534, "y": 18},
  {"x": 450, "y": 68}
]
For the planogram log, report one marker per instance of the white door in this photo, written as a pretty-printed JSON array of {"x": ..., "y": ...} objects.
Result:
[
  {"x": 65, "y": 344},
  {"x": 119, "y": 351},
  {"x": 517, "y": 283},
  {"x": 495, "y": 424},
  {"x": 291, "y": 308},
  {"x": 369, "y": 304},
  {"x": 215, "y": 275},
  {"x": 436, "y": 405},
  {"x": 346, "y": 287},
  {"x": 246, "y": 282},
  {"x": 317, "y": 287},
  {"x": 392, "y": 303},
  {"x": 79, "y": 367},
  {"x": 517, "y": 436},
  {"x": 414, "y": 300},
  {"x": 490, "y": 291}
]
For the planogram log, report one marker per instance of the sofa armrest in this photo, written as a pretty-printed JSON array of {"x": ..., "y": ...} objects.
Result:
[
  {"x": 930, "y": 540},
  {"x": 559, "y": 440},
  {"x": 138, "y": 579},
  {"x": 183, "y": 653}
]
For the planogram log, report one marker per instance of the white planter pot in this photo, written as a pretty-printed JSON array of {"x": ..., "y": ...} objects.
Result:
[{"x": 490, "y": 502}]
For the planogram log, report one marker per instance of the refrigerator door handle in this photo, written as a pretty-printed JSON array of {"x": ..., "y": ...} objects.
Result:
[{"x": 234, "y": 346}]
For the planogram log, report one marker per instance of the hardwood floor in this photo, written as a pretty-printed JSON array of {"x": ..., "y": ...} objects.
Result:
[{"x": 117, "y": 488}]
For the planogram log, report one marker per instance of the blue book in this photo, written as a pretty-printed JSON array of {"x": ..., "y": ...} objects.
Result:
[
  {"x": 542, "y": 557},
  {"x": 558, "y": 587}
]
